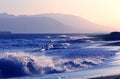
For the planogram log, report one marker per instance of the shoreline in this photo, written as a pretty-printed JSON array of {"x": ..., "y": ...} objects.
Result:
[{"x": 107, "y": 77}]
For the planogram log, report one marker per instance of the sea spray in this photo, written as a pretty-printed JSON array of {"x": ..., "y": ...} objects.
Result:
[{"x": 15, "y": 64}]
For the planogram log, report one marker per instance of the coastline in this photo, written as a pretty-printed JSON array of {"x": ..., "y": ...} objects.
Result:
[
  {"x": 114, "y": 75},
  {"x": 106, "y": 70},
  {"x": 108, "y": 77}
]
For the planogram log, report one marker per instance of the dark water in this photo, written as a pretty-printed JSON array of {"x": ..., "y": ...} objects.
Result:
[{"x": 41, "y": 54}]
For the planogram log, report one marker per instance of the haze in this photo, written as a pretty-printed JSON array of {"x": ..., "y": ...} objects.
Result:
[{"x": 103, "y": 12}]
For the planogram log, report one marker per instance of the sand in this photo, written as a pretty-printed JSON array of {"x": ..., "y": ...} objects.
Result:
[{"x": 108, "y": 77}]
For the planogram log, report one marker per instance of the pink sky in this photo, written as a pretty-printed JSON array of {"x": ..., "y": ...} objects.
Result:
[{"x": 105, "y": 12}]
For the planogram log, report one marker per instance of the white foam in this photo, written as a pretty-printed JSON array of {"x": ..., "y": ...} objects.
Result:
[
  {"x": 41, "y": 62},
  {"x": 63, "y": 36},
  {"x": 23, "y": 59}
]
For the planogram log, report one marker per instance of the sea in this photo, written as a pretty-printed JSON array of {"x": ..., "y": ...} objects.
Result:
[{"x": 56, "y": 56}]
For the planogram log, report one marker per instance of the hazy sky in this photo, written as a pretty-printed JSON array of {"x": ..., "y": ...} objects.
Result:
[{"x": 105, "y": 12}]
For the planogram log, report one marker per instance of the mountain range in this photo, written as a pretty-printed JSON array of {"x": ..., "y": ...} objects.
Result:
[{"x": 48, "y": 23}]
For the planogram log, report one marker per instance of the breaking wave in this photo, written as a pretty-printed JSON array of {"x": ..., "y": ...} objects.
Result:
[{"x": 16, "y": 64}]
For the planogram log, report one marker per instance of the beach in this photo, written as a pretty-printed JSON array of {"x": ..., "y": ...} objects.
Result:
[{"x": 108, "y": 77}]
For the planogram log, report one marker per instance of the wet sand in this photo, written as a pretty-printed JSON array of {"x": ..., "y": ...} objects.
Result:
[{"x": 107, "y": 77}]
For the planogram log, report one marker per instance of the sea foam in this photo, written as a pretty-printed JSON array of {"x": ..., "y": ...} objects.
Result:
[{"x": 15, "y": 64}]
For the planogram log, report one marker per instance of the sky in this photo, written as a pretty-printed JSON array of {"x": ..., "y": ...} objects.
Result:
[{"x": 104, "y": 12}]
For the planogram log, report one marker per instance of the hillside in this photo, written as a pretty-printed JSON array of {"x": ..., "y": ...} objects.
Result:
[{"x": 48, "y": 23}]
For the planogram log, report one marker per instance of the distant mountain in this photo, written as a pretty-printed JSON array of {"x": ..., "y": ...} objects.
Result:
[
  {"x": 5, "y": 32},
  {"x": 112, "y": 37},
  {"x": 26, "y": 24},
  {"x": 6, "y": 15},
  {"x": 47, "y": 23},
  {"x": 79, "y": 24}
]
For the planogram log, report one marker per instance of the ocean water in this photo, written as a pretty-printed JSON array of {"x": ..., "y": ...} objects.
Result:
[{"x": 39, "y": 55}]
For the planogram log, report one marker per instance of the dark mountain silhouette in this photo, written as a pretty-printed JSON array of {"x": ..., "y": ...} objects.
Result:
[{"x": 112, "y": 36}]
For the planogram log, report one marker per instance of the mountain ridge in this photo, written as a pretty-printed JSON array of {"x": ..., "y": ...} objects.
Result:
[{"x": 54, "y": 23}]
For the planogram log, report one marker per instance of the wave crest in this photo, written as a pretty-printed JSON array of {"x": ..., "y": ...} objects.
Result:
[{"x": 22, "y": 64}]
